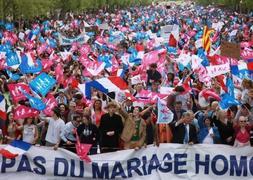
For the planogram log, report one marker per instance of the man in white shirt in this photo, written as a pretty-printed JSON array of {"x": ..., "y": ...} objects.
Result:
[{"x": 55, "y": 127}]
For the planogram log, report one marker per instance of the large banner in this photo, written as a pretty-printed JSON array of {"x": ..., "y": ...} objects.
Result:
[
  {"x": 65, "y": 41},
  {"x": 168, "y": 161}
]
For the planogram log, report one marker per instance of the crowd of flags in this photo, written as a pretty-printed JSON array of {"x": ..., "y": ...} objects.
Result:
[{"x": 206, "y": 63}]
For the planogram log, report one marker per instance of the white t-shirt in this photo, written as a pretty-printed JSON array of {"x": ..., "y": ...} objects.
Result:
[
  {"x": 55, "y": 127},
  {"x": 29, "y": 133},
  {"x": 208, "y": 139}
]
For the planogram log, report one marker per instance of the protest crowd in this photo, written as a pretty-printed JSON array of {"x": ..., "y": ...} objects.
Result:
[{"x": 125, "y": 80}]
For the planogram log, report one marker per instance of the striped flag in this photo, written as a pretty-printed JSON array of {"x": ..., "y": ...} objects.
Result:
[
  {"x": 14, "y": 149},
  {"x": 105, "y": 85},
  {"x": 206, "y": 39},
  {"x": 250, "y": 65},
  {"x": 3, "y": 114}
]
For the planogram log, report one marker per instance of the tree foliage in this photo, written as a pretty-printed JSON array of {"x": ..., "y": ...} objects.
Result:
[
  {"x": 32, "y": 8},
  {"x": 244, "y": 5}
]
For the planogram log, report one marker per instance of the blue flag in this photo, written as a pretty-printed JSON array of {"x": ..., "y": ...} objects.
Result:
[
  {"x": 25, "y": 68},
  {"x": 106, "y": 59},
  {"x": 227, "y": 101},
  {"x": 202, "y": 55},
  {"x": 12, "y": 59},
  {"x": 42, "y": 84},
  {"x": 230, "y": 86},
  {"x": 14, "y": 77},
  {"x": 35, "y": 103}
]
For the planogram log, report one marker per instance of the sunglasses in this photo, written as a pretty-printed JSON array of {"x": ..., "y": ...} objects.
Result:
[{"x": 242, "y": 121}]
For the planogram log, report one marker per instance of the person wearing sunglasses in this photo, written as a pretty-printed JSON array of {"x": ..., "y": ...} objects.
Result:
[{"x": 242, "y": 133}]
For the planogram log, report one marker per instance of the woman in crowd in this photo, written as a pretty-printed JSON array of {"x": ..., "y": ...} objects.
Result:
[
  {"x": 88, "y": 134},
  {"x": 225, "y": 127},
  {"x": 63, "y": 112},
  {"x": 30, "y": 131},
  {"x": 208, "y": 134},
  {"x": 242, "y": 133},
  {"x": 96, "y": 112},
  {"x": 134, "y": 131},
  {"x": 247, "y": 85},
  {"x": 13, "y": 129}
]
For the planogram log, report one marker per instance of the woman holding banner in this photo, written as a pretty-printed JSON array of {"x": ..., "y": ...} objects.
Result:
[{"x": 134, "y": 132}]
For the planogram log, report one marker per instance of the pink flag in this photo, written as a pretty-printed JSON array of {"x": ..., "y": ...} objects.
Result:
[
  {"x": 153, "y": 57},
  {"x": 2, "y": 64},
  {"x": 75, "y": 46},
  {"x": 82, "y": 150},
  {"x": 203, "y": 75},
  {"x": 246, "y": 54},
  {"x": 46, "y": 64},
  {"x": 84, "y": 60},
  {"x": 59, "y": 73},
  {"x": 22, "y": 112},
  {"x": 50, "y": 102},
  {"x": 205, "y": 95},
  {"x": 141, "y": 70},
  {"x": 150, "y": 44},
  {"x": 29, "y": 45},
  {"x": 95, "y": 68},
  {"x": 15, "y": 92},
  {"x": 41, "y": 49},
  {"x": 150, "y": 97},
  {"x": 115, "y": 64},
  {"x": 112, "y": 46},
  {"x": 217, "y": 60},
  {"x": 210, "y": 93},
  {"x": 246, "y": 44},
  {"x": 85, "y": 49}
]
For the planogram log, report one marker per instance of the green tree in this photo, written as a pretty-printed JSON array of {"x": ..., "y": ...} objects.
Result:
[{"x": 31, "y": 8}]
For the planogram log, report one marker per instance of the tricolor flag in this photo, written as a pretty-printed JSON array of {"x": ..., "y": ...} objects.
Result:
[
  {"x": 105, "y": 85},
  {"x": 3, "y": 114},
  {"x": 206, "y": 39},
  {"x": 14, "y": 149},
  {"x": 250, "y": 66}
]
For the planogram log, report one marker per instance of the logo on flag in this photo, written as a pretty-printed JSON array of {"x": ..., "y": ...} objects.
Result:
[
  {"x": 22, "y": 112},
  {"x": 42, "y": 84},
  {"x": 165, "y": 115},
  {"x": 50, "y": 102},
  {"x": 15, "y": 92}
]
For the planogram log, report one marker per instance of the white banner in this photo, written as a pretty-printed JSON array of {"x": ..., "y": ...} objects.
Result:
[
  {"x": 170, "y": 29},
  {"x": 65, "y": 41},
  {"x": 165, "y": 31},
  {"x": 217, "y": 70},
  {"x": 168, "y": 161}
]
